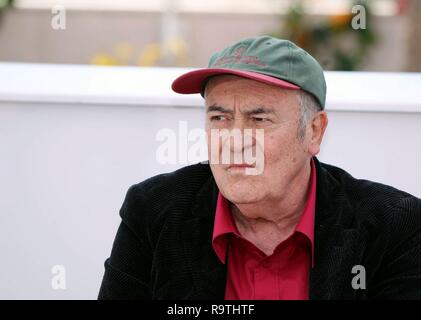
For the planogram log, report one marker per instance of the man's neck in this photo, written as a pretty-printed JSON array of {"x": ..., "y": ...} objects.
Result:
[{"x": 268, "y": 223}]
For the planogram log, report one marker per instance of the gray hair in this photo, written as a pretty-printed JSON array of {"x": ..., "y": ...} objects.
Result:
[{"x": 308, "y": 107}]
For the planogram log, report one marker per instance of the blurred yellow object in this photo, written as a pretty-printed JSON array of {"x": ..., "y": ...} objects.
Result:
[
  {"x": 150, "y": 55},
  {"x": 103, "y": 59},
  {"x": 178, "y": 48},
  {"x": 171, "y": 53},
  {"x": 124, "y": 52}
]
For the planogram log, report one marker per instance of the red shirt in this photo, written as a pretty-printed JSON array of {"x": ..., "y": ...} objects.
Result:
[{"x": 284, "y": 275}]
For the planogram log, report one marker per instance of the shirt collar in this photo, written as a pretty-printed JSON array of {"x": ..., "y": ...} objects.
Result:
[{"x": 224, "y": 223}]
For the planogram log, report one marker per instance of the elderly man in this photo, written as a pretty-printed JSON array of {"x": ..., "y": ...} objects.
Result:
[{"x": 295, "y": 229}]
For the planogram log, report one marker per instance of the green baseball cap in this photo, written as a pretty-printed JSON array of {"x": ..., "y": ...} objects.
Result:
[{"x": 266, "y": 59}]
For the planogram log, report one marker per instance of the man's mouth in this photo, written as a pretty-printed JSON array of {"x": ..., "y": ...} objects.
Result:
[{"x": 240, "y": 165}]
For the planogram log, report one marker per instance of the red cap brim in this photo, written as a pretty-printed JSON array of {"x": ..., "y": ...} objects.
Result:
[{"x": 192, "y": 82}]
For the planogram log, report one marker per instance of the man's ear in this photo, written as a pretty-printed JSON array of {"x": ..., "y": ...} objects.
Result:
[{"x": 317, "y": 129}]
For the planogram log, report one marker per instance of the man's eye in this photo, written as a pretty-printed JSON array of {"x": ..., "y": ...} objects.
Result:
[
  {"x": 217, "y": 118},
  {"x": 259, "y": 119}
]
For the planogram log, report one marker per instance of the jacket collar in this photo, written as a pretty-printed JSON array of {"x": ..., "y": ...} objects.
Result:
[
  {"x": 333, "y": 235},
  {"x": 207, "y": 272}
]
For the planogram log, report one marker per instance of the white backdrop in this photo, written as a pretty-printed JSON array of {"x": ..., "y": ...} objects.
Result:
[{"x": 74, "y": 138}]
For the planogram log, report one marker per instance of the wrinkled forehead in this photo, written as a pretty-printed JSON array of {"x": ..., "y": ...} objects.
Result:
[{"x": 228, "y": 87}]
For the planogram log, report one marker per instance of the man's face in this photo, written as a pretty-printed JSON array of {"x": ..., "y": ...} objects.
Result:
[{"x": 237, "y": 103}]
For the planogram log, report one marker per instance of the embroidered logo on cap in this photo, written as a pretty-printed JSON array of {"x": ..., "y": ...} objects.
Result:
[{"x": 238, "y": 57}]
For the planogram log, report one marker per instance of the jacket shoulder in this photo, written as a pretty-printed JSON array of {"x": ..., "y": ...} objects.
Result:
[
  {"x": 149, "y": 199},
  {"x": 371, "y": 199},
  {"x": 363, "y": 188},
  {"x": 170, "y": 185}
]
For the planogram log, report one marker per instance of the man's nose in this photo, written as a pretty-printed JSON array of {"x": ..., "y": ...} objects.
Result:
[
  {"x": 239, "y": 123},
  {"x": 238, "y": 140}
]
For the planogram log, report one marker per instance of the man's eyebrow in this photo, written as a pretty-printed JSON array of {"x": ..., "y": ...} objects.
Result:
[
  {"x": 218, "y": 108},
  {"x": 259, "y": 110}
]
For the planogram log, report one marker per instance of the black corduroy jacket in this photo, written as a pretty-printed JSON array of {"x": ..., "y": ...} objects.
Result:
[{"x": 163, "y": 247}]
